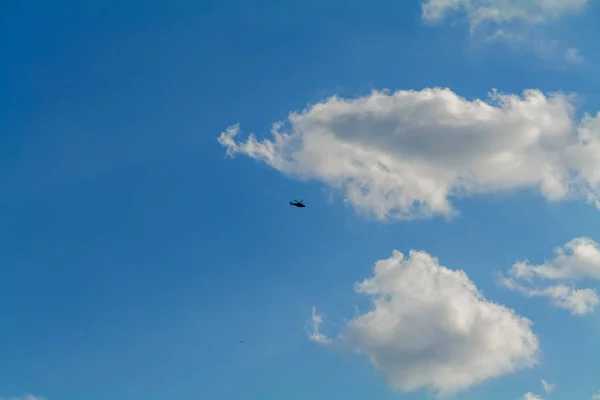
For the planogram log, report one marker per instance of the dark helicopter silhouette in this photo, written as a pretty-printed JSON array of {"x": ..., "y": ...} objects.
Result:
[{"x": 297, "y": 203}]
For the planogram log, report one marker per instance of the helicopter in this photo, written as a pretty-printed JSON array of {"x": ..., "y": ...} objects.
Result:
[{"x": 297, "y": 203}]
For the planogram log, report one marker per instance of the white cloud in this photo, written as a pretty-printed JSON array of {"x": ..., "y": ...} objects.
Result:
[
  {"x": 315, "y": 334},
  {"x": 578, "y": 301},
  {"x": 531, "y": 396},
  {"x": 576, "y": 260},
  {"x": 406, "y": 154},
  {"x": 596, "y": 396},
  {"x": 548, "y": 387},
  {"x": 26, "y": 397},
  {"x": 431, "y": 328},
  {"x": 501, "y": 11}
]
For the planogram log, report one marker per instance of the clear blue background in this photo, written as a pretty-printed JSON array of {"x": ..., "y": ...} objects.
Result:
[{"x": 134, "y": 257}]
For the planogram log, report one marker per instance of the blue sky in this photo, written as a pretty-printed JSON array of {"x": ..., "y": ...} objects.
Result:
[{"x": 136, "y": 254}]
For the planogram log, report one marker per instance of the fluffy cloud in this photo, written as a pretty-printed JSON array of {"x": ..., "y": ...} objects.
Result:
[
  {"x": 26, "y": 397},
  {"x": 501, "y": 11},
  {"x": 596, "y": 396},
  {"x": 548, "y": 387},
  {"x": 430, "y": 327},
  {"x": 406, "y": 154},
  {"x": 531, "y": 396},
  {"x": 576, "y": 260}
]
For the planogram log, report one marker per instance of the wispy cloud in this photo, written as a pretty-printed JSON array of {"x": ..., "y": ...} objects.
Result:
[
  {"x": 573, "y": 55},
  {"x": 315, "y": 334},
  {"x": 500, "y": 12},
  {"x": 511, "y": 22},
  {"x": 548, "y": 387}
]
